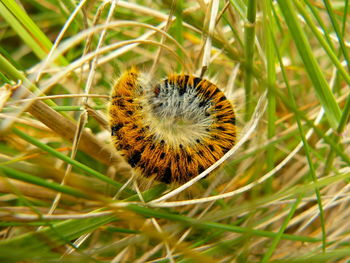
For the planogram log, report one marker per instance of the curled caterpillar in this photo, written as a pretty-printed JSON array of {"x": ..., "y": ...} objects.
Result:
[{"x": 172, "y": 130}]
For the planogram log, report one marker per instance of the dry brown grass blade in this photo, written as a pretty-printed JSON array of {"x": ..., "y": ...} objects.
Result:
[
  {"x": 213, "y": 7},
  {"x": 66, "y": 128},
  {"x": 30, "y": 190},
  {"x": 159, "y": 51}
]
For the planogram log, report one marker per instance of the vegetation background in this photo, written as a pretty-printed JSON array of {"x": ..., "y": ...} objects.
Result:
[{"x": 282, "y": 194}]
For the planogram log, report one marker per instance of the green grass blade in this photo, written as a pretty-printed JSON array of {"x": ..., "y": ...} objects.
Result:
[
  {"x": 320, "y": 21},
  {"x": 328, "y": 48},
  {"x": 306, "y": 146},
  {"x": 28, "y": 23},
  {"x": 240, "y": 7},
  {"x": 32, "y": 244},
  {"x": 8, "y": 57},
  {"x": 337, "y": 137},
  {"x": 77, "y": 108},
  {"x": 338, "y": 32},
  {"x": 149, "y": 194},
  {"x": 9, "y": 70},
  {"x": 14, "y": 74},
  {"x": 22, "y": 32},
  {"x": 271, "y": 80},
  {"x": 249, "y": 44},
  {"x": 330, "y": 141},
  {"x": 277, "y": 239},
  {"x": 65, "y": 158},
  {"x": 27, "y": 29},
  {"x": 178, "y": 27},
  {"x": 63, "y": 108},
  {"x": 346, "y": 3},
  {"x": 148, "y": 212},
  {"x": 337, "y": 255},
  {"x": 320, "y": 84},
  {"x": 12, "y": 173}
]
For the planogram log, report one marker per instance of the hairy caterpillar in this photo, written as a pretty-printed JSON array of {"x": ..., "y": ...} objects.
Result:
[{"x": 172, "y": 130}]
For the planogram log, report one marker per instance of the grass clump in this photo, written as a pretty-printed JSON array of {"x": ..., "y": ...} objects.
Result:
[{"x": 280, "y": 195}]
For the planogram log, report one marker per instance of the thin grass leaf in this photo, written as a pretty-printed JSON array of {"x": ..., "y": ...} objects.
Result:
[
  {"x": 328, "y": 48},
  {"x": 21, "y": 31},
  {"x": 320, "y": 84},
  {"x": 337, "y": 137},
  {"x": 345, "y": 13},
  {"x": 149, "y": 194},
  {"x": 337, "y": 30},
  {"x": 211, "y": 225},
  {"x": 12, "y": 173},
  {"x": 306, "y": 146},
  {"x": 28, "y": 245},
  {"x": 301, "y": 189},
  {"x": 178, "y": 27},
  {"x": 76, "y": 108},
  {"x": 271, "y": 80},
  {"x": 240, "y": 7},
  {"x": 65, "y": 158},
  {"x": 27, "y": 29},
  {"x": 277, "y": 239},
  {"x": 319, "y": 21},
  {"x": 249, "y": 44},
  {"x": 336, "y": 255}
]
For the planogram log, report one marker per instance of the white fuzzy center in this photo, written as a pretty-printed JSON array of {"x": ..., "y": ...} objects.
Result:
[{"x": 175, "y": 117}]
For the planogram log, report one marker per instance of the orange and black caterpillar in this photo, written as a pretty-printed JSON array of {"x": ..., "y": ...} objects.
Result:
[{"x": 172, "y": 130}]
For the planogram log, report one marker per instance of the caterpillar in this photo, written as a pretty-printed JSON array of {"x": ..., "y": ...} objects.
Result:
[{"x": 172, "y": 130}]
